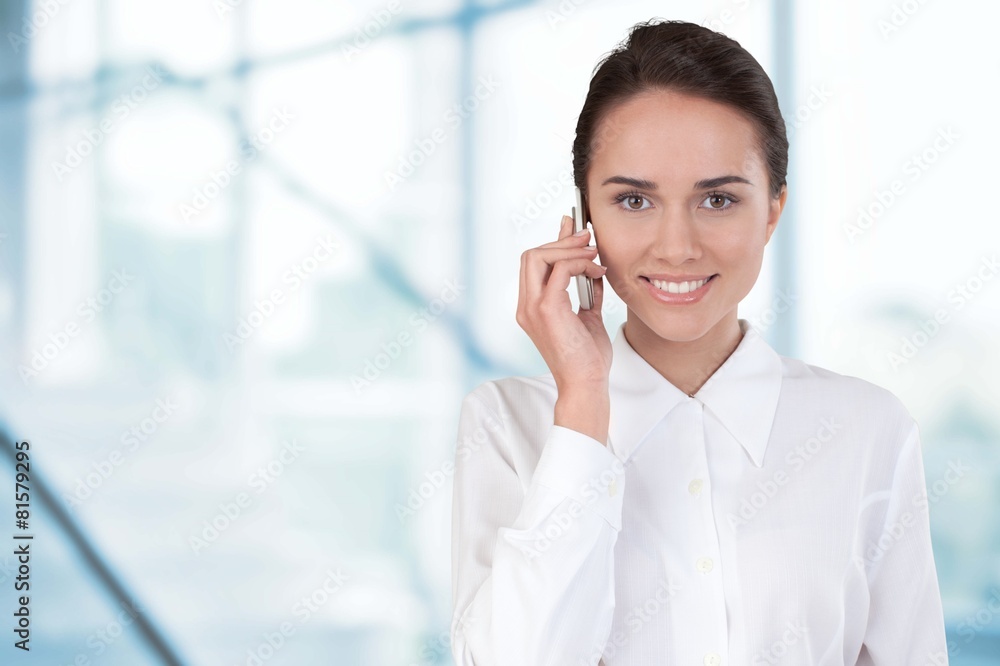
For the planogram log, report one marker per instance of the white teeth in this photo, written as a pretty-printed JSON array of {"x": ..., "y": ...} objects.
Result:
[{"x": 678, "y": 287}]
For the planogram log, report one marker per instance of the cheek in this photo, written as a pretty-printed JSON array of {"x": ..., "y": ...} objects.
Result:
[
  {"x": 619, "y": 257},
  {"x": 740, "y": 258},
  {"x": 616, "y": 268},
  {"x": 744, "y": 253},
  {"x": 621, "y": 284},
  {"x": 736, "y": 244},
  {"x": 618, "y": 250}
]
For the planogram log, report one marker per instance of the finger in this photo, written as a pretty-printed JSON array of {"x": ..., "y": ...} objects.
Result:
[
  {"x": 593, "y": 318},
  {"x": 565, "y": 227},
  {"x": 566, "y": 269},
  {"x": 539, "y": 267},
  {"x": 566, "y": 236}
]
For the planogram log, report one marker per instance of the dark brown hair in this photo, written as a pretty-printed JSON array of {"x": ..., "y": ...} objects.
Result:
[{"x": 690, "y": 59}]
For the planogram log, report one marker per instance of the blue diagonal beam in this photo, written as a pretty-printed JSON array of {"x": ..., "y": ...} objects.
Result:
[{"x": 102, "y": 571}]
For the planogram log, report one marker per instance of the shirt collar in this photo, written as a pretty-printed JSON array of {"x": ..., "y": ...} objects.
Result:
[{"x": 742, "y": 394}]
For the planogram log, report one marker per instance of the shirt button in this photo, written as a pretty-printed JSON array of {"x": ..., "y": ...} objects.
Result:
[
  {"x": 704, "y": 565},
  {"x": 712, "y": 659},
  {"x": 613, "y": 487},
  {"x": 694, "y": 487}
]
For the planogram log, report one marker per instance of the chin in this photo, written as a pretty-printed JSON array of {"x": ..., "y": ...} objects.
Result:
[{"x": 678, "y": 326}]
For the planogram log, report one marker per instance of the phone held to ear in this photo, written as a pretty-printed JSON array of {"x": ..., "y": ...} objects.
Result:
[{"x": 584, "y": 284}]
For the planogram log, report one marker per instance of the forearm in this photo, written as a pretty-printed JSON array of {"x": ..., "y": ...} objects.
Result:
[
  {"x": 586, "y": 411},
  {"x": 550, "y": 586}
]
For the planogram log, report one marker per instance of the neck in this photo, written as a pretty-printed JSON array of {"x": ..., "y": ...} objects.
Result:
[{"x": 685, "y": 364}]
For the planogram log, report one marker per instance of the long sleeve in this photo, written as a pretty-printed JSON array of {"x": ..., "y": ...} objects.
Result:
[
  {"x": 905, "y": 620},
  {"x": 532, "y": 567}
]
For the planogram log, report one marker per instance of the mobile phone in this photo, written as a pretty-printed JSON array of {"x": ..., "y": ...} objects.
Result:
[{"x": 584, "y": 284}]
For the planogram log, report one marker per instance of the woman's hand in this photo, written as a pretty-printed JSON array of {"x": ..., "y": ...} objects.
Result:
[{"x": 575, "y": 346}]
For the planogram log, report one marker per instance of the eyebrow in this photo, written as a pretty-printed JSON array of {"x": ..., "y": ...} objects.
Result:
[{"x": 642, "y": 184}]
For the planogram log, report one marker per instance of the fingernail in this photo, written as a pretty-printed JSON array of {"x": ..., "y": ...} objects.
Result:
[{"x": 581, "y": 232}]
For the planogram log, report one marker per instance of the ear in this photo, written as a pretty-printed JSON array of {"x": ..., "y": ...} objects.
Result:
[{"x": 774, "y": 212}]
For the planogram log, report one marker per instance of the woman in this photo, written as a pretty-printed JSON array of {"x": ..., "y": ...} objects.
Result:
[{"x": 683, "y": 494}]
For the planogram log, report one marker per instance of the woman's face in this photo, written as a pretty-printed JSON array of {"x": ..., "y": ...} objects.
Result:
[{"x": 677, "y": 187}]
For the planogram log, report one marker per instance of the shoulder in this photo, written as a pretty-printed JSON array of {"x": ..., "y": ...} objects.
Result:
[
  {"x": 868, "y": 412},
  {"x": 516, "y": 397},
  {"x": 518, "y": 411},
  {"x": 799, "y": 375}
]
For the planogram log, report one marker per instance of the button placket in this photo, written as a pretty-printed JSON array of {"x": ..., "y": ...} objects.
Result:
[{"x": 707, "y": 560}]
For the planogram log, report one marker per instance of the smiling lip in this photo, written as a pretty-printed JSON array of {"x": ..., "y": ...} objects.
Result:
[
  {"x": 678, "y": 299},
  {"x": 675, "y": 278}
]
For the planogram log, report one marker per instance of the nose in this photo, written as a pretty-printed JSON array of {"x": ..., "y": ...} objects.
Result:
[{"x": 676, "y": 239}]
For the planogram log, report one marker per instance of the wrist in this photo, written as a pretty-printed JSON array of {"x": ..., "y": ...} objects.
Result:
[{"x": 586, "y": 411}]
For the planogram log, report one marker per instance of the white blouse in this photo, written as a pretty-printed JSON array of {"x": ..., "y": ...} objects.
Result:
[{"x": 778, "y": 516}]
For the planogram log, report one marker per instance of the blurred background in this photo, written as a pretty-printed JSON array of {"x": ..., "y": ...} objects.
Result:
[{"x": 252, "y": 255}]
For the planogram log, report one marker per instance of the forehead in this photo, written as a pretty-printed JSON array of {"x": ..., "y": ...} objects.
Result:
[{"x": 675, "y": 138}]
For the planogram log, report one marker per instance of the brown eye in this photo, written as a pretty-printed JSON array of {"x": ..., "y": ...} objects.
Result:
[
  {"x": 719, "y": 201},
  {"x": 632, "y": 202}
]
